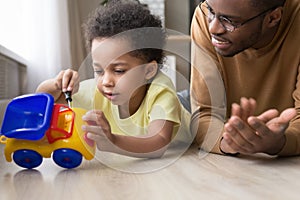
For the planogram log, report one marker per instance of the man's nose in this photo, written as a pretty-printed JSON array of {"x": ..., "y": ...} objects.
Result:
[{"x": 216, "y": 27}]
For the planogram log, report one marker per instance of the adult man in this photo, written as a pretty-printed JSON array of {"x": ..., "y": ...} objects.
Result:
[{"x": 251, "y": 58}]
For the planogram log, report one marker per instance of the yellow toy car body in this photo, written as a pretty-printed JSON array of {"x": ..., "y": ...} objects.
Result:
[{"x": 64, "y": 140}]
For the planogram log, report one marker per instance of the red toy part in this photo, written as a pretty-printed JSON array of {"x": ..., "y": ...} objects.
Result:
[{"x": 62, "y": 123}]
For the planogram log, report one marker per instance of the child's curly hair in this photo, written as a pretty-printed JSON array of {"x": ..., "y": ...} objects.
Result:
[{"x": 118, "y": 16}]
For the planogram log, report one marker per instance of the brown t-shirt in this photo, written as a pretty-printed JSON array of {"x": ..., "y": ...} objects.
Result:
[{"x": 270, "y": 75}]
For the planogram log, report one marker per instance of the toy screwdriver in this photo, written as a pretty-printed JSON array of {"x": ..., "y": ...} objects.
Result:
[{"x": 68, "y": 98}]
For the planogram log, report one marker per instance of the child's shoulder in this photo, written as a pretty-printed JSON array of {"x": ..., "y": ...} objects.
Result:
[
  {"x": 88, "y": 83},
  {"x": 161, "y": 89},
  {"x": 162, "y": 81},
  {"x": 84, "y": 97}
]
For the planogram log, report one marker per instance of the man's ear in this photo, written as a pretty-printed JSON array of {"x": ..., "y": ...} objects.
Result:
[
  {"x": 274, "y": 17},
  {"x": 151, "y": 70}
]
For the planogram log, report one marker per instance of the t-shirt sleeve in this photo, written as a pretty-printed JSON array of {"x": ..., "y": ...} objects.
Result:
[{"x": 166, "y": 106}]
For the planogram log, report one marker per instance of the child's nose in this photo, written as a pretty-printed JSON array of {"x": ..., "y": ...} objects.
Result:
[{"x": 107, "y": 80}]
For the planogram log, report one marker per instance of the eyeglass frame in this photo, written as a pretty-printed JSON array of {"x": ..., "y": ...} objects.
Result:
[{"x": 222, "y": 18}]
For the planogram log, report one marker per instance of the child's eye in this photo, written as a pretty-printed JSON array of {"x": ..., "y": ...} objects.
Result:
[
  {"x": 99, "y": 72},
  {"x": 120, "y": 71}
]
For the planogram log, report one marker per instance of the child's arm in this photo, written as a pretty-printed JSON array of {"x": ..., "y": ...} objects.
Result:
[
  {"x": 154, "y": 144},
  {"x": 66, "y": 80}
]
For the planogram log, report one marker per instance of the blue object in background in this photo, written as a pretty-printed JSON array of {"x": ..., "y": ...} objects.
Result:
[{"x": 28, "y": 116}]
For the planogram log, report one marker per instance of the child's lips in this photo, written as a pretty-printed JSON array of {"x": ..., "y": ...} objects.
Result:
[{"x": 110, "y": 95}]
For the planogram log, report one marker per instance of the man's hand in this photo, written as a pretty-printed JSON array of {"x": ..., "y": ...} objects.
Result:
[{"x": 247, "y": 134}]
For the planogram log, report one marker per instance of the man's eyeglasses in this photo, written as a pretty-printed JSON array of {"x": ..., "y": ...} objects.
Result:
[{"x": 227, "y": 23}]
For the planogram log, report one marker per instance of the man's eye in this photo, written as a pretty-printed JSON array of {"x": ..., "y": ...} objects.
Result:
[
  {"x": 210, "y": 10},
  {"x": 228, "y": 21},
  {"x": 225, "y": 19}
]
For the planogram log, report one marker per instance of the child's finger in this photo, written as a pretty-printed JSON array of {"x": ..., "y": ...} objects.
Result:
[
  {"x": 58, "y": 80},
  {"x": 95, "y": 117},
  {"x": 68, "y": 80}
]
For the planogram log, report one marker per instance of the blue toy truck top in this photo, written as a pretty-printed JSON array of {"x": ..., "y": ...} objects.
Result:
[{"x": 32, "y": 114}]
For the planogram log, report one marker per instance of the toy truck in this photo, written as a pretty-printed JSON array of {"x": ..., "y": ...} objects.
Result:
[{"x": 35, "y": 127}]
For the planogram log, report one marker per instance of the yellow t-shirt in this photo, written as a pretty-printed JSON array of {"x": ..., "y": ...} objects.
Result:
[{"x": 160, "y": 102}]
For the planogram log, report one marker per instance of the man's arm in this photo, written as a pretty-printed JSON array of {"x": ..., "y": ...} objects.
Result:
[
  {"x": 292, "y": 133},
  {"x": 207, "y": 89}
]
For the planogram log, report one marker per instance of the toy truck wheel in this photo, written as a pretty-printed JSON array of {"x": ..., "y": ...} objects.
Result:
[
  {"x": 67, "y": 158},
  {"x": 27, "y": 158}
]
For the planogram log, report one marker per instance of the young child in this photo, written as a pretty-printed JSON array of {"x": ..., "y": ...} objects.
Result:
[{"x": 133, "y": 108}]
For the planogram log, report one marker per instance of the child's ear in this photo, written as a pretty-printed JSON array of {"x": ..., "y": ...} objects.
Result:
[{"x": 151, "y": 70}]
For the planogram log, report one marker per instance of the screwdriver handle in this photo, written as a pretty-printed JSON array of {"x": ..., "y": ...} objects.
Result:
[{"x": 68, "y": 96}]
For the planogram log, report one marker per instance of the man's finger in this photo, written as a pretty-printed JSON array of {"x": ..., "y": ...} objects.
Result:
[
  {"x": 268, "y": 115},
  {"x": 287, "y": 115},
  {"x": 280, "y": 123}
]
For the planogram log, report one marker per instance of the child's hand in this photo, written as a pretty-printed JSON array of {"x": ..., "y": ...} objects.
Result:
[
  {"x": 98, "y": 129},
  {"x": 67, "y": 80}
]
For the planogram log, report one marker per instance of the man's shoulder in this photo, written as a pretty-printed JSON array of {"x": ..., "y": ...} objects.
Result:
[{"x": 292, "y": 9}]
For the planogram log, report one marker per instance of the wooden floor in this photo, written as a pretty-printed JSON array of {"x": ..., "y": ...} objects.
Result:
[{"x": 195, "y": 175}]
